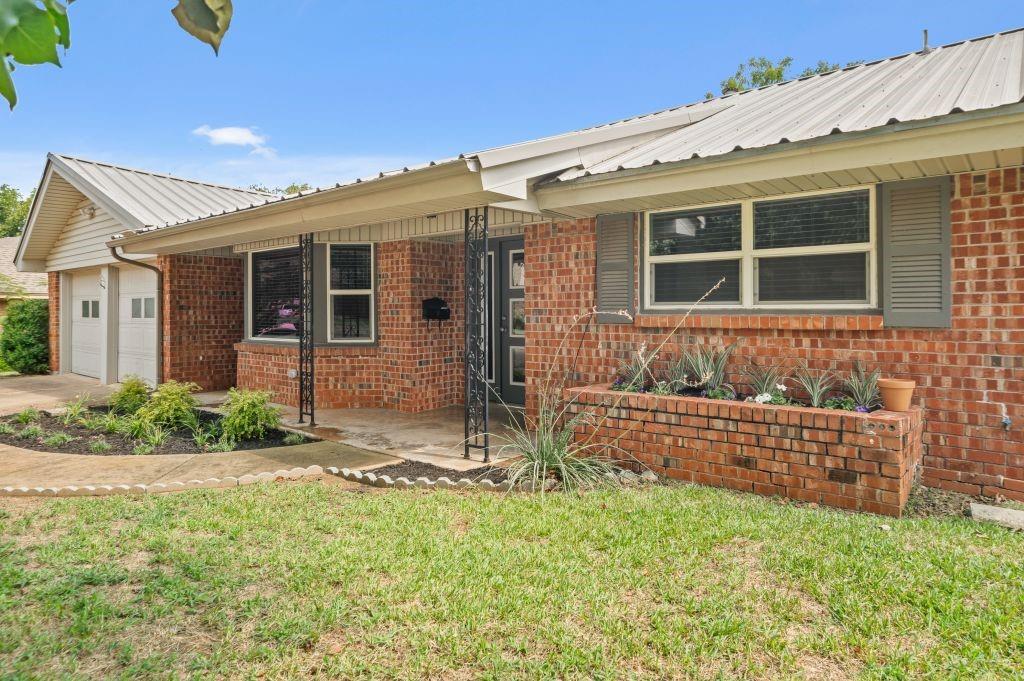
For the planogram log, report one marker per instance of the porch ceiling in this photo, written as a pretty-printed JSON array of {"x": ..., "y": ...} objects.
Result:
[{"x": 429, "y": 191}]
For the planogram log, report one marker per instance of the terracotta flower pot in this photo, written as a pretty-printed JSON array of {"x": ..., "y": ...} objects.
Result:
[{"x": 896, "y": 393}]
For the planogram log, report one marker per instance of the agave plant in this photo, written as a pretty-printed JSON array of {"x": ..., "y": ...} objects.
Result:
[
  {"x": 704, "y": 367},
  {"x": 862, "y": 388},
  {"x": 635, "y": 375},
  {"x": 816, "y": 385}
]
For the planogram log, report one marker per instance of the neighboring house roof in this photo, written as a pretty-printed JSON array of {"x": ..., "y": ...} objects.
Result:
[
  {"x": 14, "y": 283},
  {"x": 968, "y": 76},
  {"x": 136, "y": 198}
]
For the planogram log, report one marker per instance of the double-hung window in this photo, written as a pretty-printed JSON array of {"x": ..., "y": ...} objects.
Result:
[
  {"x": 351, "y": 295},
  {"x": 808, "y": 251}
]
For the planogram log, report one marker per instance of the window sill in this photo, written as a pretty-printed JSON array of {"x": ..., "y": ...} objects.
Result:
[{"x": 850, "y": 320}]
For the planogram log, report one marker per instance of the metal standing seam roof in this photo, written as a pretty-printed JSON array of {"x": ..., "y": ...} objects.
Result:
[
  {"x": 980, "y": 73},
  {"x": 154, "y": 198},
  {"x": 971, "y": 75}
]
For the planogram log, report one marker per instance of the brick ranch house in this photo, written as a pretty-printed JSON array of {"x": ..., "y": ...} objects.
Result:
[{"x": 873, "y": 213}]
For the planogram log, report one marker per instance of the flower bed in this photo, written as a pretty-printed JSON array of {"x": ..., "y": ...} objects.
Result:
[{"x": 850, "y": 460}]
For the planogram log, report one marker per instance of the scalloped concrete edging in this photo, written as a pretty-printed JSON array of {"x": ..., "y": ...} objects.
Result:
[
  {"x": 385, "y": 481},
  {"x": 311, "y": 472}
]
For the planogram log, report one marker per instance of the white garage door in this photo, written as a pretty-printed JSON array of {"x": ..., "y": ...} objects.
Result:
[
  {"x": 136, "y": 336},
  {"x": 85, "y": 323}
]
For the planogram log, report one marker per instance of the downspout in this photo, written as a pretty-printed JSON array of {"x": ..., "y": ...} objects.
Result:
[{"x": 160, "y": 307}]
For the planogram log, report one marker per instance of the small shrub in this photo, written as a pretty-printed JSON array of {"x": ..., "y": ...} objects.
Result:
[
  {"x": 816, "y": 385},
  {"x": 130, "y": 397},
  {"x": 74, "y": 409},
  {"x": 142, "y": 449},
  {"x": 6, "y": 428},
  {"x": 843, "y": 402},
  {"x": 57, "y": 439},
  {"x": 862, "y": 388},
  {"x": 27, "y": 415},
  {"x": 171, "y": 405},
  {"x": 25, "y": 341},
  {"x": 293, "y": 439},
  {"x": 99, "y": 446},
  {"x": 248, "y": 415},
  {"x": 32, "y": 432}
]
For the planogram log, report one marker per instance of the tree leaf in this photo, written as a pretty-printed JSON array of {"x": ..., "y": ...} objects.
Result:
[
  {"x": 6, "y": 82},
  {"x": 27, "y": 33},
  {"x": 59, "y": 15},
  {"x": 207, "y": 20}
]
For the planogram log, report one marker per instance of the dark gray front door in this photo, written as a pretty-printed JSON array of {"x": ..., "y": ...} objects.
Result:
[{"x": 509, "y": 343}]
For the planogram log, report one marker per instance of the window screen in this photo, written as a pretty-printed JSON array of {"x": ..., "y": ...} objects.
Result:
[
  {"x": 813, "y": 278},
  {"x": 276, "y": 290},
  {"x": 686, "y": 282},
  {"x": 812, "y": 221},
  {"x": 351, "y": 267},
  {"x": 709, "y": 230}
]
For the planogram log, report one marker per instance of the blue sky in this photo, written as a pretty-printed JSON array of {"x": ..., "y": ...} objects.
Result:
[{"x": 326, "y": 90}]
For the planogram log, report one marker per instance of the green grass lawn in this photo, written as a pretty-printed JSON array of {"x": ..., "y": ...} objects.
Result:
[{"x": 289, "y": 580}]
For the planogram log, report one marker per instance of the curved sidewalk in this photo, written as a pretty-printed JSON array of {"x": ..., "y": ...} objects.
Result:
[{"x": 27, "y": 468}]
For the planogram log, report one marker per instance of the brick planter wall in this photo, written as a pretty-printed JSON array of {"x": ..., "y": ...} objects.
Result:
[
  {"x": 966, "y": 375},
  {"x": 863, "y": 462},
  {"x": 202, "y": 318},
  {"x": 414, "y": 366}
]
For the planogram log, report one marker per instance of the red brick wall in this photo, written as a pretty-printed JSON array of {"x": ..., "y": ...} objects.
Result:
[
  {"x": 966, "y": 375},
  {"x": 414, "y": 365},
  {"x": 202, "y": 318},
  {"x": 53, "y": 293},
  {"x": 863, "y": 462}
]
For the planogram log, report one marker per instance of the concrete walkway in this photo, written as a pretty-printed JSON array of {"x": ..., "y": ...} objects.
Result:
[
  {"x": 47, "y": 392},
  {"x": 25, "y": 468}
]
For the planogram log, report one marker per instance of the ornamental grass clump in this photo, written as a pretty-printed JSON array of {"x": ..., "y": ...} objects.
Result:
[
  {"x": 768, "y": 383},
  {"x": 704, "y": 367}
]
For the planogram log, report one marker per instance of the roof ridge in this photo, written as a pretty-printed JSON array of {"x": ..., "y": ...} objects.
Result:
[{"x": 166, "y": 176}]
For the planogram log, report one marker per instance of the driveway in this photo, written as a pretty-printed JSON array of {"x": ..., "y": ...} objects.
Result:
[{"x": 47, "y": 392}]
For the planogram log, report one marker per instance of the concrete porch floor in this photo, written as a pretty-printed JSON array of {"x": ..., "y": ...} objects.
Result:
[{"x": 433, "y": 437}]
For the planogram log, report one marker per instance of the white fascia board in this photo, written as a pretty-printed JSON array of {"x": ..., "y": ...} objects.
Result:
[
  {"x": 606, "y": 133},
  {"x": 26, "y": 234}
]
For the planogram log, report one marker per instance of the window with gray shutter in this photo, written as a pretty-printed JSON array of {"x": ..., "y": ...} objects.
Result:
[
  {"x": 916, "y": 278},
  {"x": 614, "y": 267}
]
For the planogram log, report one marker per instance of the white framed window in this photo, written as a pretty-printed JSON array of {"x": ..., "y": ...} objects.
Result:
[
  {"x": 351, "y": 273},
  {"x": 90, "y": 309},
  {"x": 815, "y": 250}
]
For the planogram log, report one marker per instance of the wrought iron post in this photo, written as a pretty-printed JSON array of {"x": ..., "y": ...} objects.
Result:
[
  {"x": 476, "y": 350},
  {"x": 307, "y": 366}
]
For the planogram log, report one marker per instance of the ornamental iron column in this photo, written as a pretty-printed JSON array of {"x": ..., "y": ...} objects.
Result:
[
  {"x": 476, "y": 351},
  {"x": 307, "y": 366}
]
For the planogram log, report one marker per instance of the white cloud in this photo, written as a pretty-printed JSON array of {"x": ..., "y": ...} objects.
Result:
[{"x": 236, "y": 136}]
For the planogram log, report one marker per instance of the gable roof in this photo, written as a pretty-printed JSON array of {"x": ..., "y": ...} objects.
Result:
[
  {"x": 136, "y": 198},
  {"x": 972, "y": 75},
  {"x": 14, "y": 283}
]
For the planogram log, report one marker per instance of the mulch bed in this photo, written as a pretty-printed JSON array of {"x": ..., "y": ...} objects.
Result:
[
  {"x": 417, "y": 469},
  {"x": 177, "y": 442}
]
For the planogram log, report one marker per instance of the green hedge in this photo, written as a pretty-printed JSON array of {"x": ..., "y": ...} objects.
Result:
[{"x": 25, "y": 342}]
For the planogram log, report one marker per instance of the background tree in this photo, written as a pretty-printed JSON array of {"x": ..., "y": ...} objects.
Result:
[
  {"x": 293, "y": 188},
  {"x": 760, "y": 71},
  {"x": 13, "y": 210},
  {"x": 31, "y": 30}
]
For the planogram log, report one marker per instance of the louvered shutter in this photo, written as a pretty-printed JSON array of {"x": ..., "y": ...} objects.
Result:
[
  {"x": 614, "y": 267},
  {"x": 916, "y": 278}
]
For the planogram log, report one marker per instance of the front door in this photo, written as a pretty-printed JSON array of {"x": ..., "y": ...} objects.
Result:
[{"x": 509, "y": 344}]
